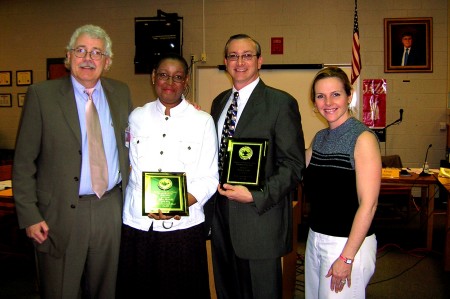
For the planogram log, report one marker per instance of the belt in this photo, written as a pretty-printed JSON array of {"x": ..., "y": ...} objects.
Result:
[{"x": 87, "y": 196}]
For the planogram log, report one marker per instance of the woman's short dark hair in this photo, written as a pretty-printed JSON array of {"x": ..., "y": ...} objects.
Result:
[{"x": 173, "y": 56}]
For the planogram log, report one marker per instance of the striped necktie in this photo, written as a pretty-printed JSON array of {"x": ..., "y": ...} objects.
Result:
[
  {"x": 228, "y": 129},
  {"x": 97, "y": 157}
]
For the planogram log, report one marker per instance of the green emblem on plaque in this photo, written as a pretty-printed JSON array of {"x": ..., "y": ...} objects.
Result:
[
  {"x": 245, "y": 153},
  {"x": 165, "y": 184}
]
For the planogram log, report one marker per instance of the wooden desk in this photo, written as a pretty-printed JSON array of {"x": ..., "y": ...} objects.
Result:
[
  {"x": 445, "y": 182},
  {"x": 5, "y": 172},
  {"x": 6, "y": 202},
  {"x": 427, "y": 185},
  {"x": 289, "y": 261},
  {"x": 6, "y": 193}
]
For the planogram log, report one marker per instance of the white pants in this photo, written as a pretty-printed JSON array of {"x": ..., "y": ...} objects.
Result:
[{"x": 322, "y": 251}]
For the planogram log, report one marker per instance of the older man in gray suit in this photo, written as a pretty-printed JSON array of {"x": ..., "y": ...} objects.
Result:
[
  {"x": 252, "y": 229},
  {"x": 76, "y": 232}
]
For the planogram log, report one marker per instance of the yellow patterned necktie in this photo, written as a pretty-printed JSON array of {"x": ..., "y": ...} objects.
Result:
[{"x": 97, "y": 157}]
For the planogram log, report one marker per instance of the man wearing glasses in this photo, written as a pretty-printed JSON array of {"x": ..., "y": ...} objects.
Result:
[
  {"x": 252, "y": 229},
  {"x": 70, "y": 166}
]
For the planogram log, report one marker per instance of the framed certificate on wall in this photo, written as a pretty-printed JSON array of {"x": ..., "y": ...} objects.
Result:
[
  {"x": 5, "y": 78},
  {"x": 24, "y": 78}
]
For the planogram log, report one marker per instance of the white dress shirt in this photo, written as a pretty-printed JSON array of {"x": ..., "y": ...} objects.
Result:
[
  {"x": 404, "y": 55},
  {"x": 186, "y": 142},
  {"x": 244, "y": 95}
]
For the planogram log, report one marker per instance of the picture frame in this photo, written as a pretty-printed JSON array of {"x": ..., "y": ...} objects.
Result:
[
  {"x": 20, "y": 99},
  {"x": 5, "y": 100},
  {"x": 414, "y": 33},
  {"x": 56, "y": 68},
  {"x": 24, "y": 78},
  {"x": 5, "y": 78}
]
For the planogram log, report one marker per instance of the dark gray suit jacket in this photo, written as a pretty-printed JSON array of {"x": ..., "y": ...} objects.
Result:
[
  {"x": 263, "y": 229},
  {"x": 47, "y": 160},
  {"x": 415, "y": 57}
]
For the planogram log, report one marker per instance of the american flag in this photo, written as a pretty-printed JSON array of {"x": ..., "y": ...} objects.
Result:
[{"x": 356, "y": 57}]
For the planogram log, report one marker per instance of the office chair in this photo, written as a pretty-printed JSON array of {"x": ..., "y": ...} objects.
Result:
[
  {"x": 5, "y": 172},
  {"x": 394, "y": 202}
]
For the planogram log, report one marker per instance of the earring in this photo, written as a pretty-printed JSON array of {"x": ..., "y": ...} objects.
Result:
[
  {"x": 315, "y": 110},
  {"x": 186, "y": 90}
]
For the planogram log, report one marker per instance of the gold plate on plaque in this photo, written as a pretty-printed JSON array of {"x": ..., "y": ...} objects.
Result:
[{"x": 165, "y": 191}]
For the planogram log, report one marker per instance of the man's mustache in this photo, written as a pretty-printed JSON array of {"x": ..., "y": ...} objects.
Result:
[{"x": 87, "y": 64}]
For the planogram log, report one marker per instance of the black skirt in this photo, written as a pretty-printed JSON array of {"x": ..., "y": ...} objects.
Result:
[{"x": 163, "y": 264}]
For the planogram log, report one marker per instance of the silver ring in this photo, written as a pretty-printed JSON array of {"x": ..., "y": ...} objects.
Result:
[{"x": 343, "y": 282}]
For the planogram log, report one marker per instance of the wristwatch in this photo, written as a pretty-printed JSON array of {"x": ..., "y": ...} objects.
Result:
[{"x": 346, "y": 260}]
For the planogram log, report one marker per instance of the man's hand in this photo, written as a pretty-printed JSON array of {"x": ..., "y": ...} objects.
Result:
[
  {"x": 38, "y": 232},
  {"x": 196, "y": 105},
  {"x": 237, "y": 193}
]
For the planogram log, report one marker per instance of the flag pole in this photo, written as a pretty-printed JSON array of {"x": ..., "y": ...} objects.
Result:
[{"x": 356, "y": 55}]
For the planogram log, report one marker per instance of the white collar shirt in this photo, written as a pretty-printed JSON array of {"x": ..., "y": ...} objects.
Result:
[
  {"x": 244, "y": 95},
  {"x": 404, "y": 52},
  {"x": 186, "y": 142},
  {"x": 108, "y": 134}
]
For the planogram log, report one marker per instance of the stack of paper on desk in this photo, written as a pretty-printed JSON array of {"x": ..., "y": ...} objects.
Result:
[
  {"x": 5, "y": 184},
  {"x": 390, "y": 173}
]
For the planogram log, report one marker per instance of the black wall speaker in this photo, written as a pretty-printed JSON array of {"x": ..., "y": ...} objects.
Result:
[{"x": 154, "y": 37}]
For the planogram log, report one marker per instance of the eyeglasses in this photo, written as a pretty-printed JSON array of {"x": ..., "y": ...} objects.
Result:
[
  {"x": 82, "y": 52},
  {"x": 166, "y": 77},
  {"x": 245, "y": 57}
]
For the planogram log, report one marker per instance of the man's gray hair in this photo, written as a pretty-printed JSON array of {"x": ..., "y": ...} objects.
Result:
[{"x": 92, "y": 31}]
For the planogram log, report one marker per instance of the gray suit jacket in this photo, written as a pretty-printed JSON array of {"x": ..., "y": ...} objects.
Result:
[
  {"x": 263, "y": 229},
  {"x": 47, "y": 160}
]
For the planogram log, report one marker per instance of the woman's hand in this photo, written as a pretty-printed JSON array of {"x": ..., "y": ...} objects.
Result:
[
  {"x": 340, "y": 274},
  {"x": 161, "y": 216}
]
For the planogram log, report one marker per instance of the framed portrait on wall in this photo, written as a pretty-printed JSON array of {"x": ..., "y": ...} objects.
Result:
[{"x": 408, "y": 45}]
